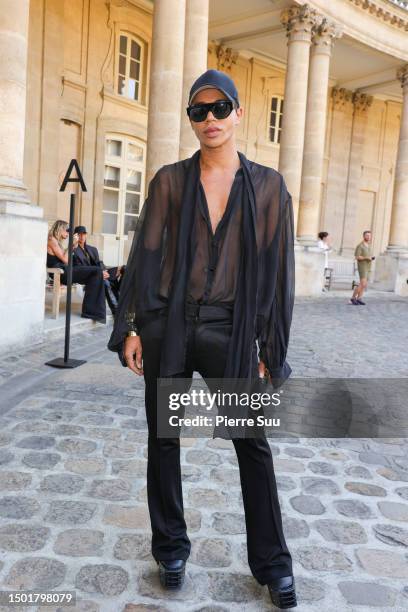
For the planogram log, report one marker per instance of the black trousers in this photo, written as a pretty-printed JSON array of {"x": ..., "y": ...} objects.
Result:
[
  {"x": 268, "y": 554},
  {"x": 93, "y": 305},
  {"x": 113, "y": 281},
  {"x": 112, "y": 287}
]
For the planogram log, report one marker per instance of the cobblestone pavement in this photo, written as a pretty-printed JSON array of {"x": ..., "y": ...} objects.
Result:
[{"x": 73, "y": 510}]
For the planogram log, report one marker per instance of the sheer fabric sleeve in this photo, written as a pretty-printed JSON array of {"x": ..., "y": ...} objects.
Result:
[
  {"x": 274, "y": 338},
  {"x": 139, "y": 292}
]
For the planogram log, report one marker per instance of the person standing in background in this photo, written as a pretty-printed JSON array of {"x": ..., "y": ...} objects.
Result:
[
  {"x": 324, "y": 243},
  {"x": 364, "y": 259}
]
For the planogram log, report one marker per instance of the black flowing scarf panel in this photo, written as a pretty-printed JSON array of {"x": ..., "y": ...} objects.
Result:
[
  {"x": 139, "y": 295},
  {"x": 174, "y": 342}
]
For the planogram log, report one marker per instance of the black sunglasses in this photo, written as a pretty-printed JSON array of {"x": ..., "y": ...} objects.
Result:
[{"x": 220, "y": 109}]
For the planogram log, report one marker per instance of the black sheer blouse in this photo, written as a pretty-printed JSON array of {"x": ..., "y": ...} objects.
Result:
[
  {"x": 159, "y": 256},
  {"x": 214, "y": 272}
]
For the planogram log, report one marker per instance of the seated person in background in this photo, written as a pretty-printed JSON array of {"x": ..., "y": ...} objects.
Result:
[
  {"x": 86, "y": 255},
  {"x": 93, "y": 305}
]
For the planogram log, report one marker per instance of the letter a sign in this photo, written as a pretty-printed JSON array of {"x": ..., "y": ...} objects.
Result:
[{"x": 76, "y": 179}]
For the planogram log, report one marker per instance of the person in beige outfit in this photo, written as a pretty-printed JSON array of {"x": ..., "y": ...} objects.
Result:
[{"x": 364, "y": 258}]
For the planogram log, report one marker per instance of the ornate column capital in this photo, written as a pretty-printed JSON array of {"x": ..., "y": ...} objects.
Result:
[
  {"x": 341, "y": 97},
  {"x": 299, "y": 22},
  {"x": 402, "y": 75},
  {"x": 361, "y": 102},
  {"x": 225, "y": 55},
  {"x": 324, "y": 34}
]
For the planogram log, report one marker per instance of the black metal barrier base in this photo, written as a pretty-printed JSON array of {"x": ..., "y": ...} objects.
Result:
[{"x": 60, "y": 363}]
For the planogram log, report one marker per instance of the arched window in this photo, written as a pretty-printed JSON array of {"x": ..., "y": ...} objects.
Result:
[
  {"x": 123, "y": 185},
  {"x": 275, "y": 119},
  {"x": 131, "y": 57}
]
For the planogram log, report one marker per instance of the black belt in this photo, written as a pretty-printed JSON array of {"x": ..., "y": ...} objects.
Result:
[{"x": 209, "y": 311}]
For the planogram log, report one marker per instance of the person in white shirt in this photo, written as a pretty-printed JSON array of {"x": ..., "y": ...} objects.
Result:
[{"x": 324, "y": 243}]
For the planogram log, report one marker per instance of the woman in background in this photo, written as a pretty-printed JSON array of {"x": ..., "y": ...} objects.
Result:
[
  {"x": 324, "y": 243},
  {"x": 93, "y": 305}
]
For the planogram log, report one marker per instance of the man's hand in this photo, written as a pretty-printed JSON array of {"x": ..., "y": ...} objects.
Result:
[
  {"x": 133, "y": 354},
  {"x": 262, "y": 369},
  {"x": 105, "y": 275}
]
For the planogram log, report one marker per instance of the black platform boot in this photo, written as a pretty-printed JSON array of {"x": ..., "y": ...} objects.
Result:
[
  {"x": 282, "y": 592},
  {"x": 172, "y": 573}
]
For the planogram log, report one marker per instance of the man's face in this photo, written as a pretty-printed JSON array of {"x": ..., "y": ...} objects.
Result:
[
  {"x": 213, "y": 132},
  {"x": 367, "y": 236},
  {"x": 82, "y": 238}
]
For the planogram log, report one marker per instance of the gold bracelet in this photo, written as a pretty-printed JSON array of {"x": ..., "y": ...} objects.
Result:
[{"x": 131, "y": 333}]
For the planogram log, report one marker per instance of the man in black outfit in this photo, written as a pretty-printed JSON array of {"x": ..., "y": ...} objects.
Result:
[
  {"x": 87, "y": 255},
  {"x": 210, "y": 272}
]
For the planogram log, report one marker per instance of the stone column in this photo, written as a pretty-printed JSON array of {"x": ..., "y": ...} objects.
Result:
[
  {"x": 361, "y": 103},
  {"x": 332, "y": 218},
  {"x": 13, "y": 77},
  {"x": 166, "y": 84},
  {"x": 391, "y": 271},
  {"x": 315, "y": 132},
  {"x": 195, "y": 63},
  {"x": 23, "y": 233},
  {"x": 399, "y": 217},
  {"x": 299, "y": 21}
]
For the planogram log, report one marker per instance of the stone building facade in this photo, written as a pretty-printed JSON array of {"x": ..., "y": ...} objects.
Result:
[{"x": 324, "y": 86}]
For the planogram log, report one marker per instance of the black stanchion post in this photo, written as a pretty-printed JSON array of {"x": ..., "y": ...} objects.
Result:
[
  {"x": 66, "y": 362},
  {"x": 69, "y": 276}
]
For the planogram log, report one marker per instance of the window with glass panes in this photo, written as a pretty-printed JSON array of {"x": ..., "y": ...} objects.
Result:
[
  {"x": 123, "y": 185},
  {"x": 275, "y": 119},
  {"x": 129, "y": 67}
]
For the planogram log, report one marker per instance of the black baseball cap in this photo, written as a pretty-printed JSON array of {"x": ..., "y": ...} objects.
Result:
[
  {"x": 215, "y": 79},
  {"x": 80, "y": 229}
]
